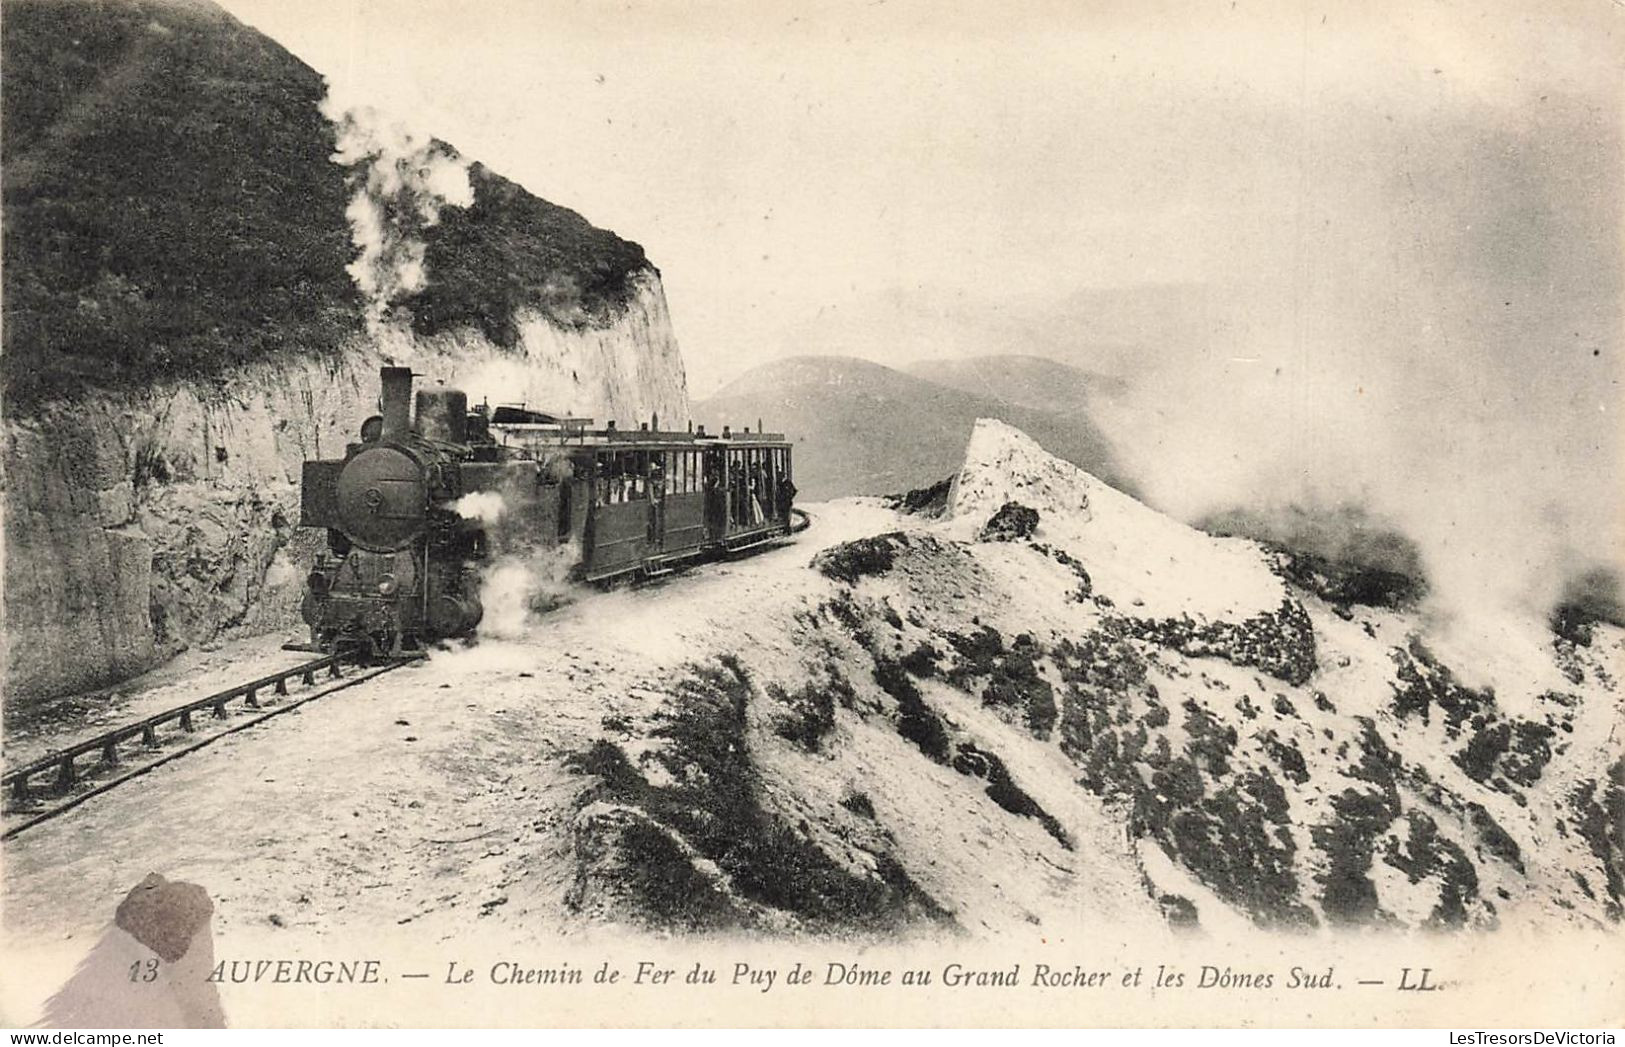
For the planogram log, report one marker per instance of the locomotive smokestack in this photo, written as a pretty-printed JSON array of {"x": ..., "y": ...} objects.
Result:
[{"x": 397, "y": 401}]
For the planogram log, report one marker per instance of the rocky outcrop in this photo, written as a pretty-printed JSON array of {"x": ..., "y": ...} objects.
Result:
[
  {"x": 1104, "y": 706},
  {"x": 141, "y": 523},
  {"x": 207, "y": 257}
]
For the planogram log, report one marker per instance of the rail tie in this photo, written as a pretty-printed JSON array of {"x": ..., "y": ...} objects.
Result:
[{"x": 17, "y": 782}]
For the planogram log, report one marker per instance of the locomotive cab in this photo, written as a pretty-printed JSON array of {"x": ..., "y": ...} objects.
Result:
[{"x": 386, "y": 507}]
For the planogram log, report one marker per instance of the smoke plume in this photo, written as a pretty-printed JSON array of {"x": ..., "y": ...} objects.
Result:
[
  {"x": 522, "y": 580},
  {"x": 1432, "y": 340},
  {"x": 484, "y": 506},
  {"x": 518, "y": 587},
  {"x": 402, "y": 182}
]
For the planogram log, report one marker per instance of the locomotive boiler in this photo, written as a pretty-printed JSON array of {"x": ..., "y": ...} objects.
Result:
[{"x": 418, "y": 509}]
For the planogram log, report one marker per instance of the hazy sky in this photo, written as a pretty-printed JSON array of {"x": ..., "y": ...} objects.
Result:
[
  {"x": 1346, "y": 252},
  {"x": 784, "y": 162}
]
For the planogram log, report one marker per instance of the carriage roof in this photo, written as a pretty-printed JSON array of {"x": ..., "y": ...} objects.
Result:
[{"x": 565, "y": 434}]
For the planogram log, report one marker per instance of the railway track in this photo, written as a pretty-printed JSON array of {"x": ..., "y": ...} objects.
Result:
[{"x": 56, "y": 783}]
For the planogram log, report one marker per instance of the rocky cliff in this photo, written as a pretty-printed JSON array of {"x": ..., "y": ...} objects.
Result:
[
  {"x": 141, "y": 522},
  {"x": 205, "y": 263}
]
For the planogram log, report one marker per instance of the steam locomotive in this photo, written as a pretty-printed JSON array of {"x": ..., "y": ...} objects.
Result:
[{"x": 428, "y": 499}]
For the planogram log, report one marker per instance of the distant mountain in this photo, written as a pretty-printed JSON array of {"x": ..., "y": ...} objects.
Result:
[
  {"x": 1024, "y": 381},
  {"x": 863, "y": 428},
  {"x": 1119, "y": 330}
]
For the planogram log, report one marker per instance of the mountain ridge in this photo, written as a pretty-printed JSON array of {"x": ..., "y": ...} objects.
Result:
[
  {"x": 173, "y": 210},
  {"x": 861, "y": 427},
  {"x": 1026, "y": 380}
]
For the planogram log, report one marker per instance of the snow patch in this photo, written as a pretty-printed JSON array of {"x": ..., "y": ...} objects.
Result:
[
  {"x": 1147, "y": 564},
  {"x": 1508, "y": 651}
]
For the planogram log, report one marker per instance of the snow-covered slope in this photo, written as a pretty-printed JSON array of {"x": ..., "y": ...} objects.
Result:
[
  {"x": 1048, "y": 713},
  {"x": 1129, "y": 714},
  {"x": 1136, "y": 556}
]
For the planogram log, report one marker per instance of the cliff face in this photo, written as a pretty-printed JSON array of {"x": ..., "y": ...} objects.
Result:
[
  {"x": 205, "y": 263},
  {"x": 624, "y": 371},
  {"x": 139, "y": 523}
]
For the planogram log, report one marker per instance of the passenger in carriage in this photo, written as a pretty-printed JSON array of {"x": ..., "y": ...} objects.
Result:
[
  {"x": 737, "y": 493},
  {"x": 764, "y": 492},
  {"x": 629, "y": 478}
]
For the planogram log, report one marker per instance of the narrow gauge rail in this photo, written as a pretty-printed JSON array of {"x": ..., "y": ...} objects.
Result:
[
  {"x": 71, "y": 783},
  {"x": 73, "y": 780}
]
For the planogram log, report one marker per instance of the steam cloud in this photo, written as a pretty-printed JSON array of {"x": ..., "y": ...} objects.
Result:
[
  {"x": 518, "y": 584},
  {"x": 516, "y": 588},
  {"x": 1438, "y": 345},
  {"x": 484, "y": 506},
  {"x": 401, "y": 184}
]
